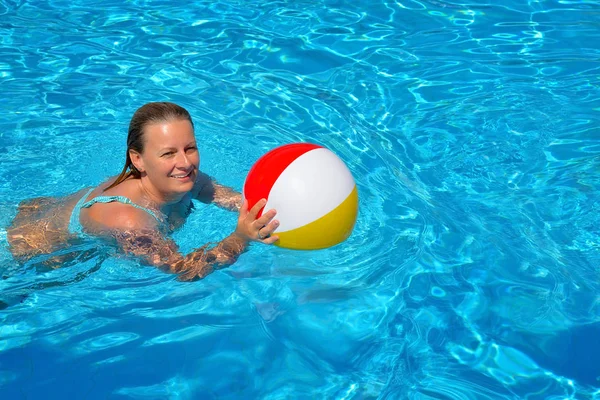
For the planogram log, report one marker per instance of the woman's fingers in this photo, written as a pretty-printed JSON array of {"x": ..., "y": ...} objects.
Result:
[
  {"x": 265, "y": 233},
  {"x": 271, "y": 239},
  {"x": 258, "y": 229},
  {"x": 266, "y": 218},
  {"x": 256, "y": 208},
  {"x": 265, "y": 230},
  {"x": 269, "y": 228},
  {"x": 244, "y": 208}
]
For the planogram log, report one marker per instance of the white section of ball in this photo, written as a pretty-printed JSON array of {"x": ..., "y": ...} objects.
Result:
[{"x": 313, "y": 185}]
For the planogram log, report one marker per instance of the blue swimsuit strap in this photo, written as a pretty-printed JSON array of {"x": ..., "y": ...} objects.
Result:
[
  {"x": 120, "y": 199},
  {"x": 74, "y": 224}
]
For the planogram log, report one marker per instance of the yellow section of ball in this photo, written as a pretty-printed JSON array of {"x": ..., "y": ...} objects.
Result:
[{"x": 327, "y": 231}]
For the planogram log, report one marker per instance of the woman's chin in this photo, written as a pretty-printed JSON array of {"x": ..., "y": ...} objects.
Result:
[{"x": 183, "y": 186}]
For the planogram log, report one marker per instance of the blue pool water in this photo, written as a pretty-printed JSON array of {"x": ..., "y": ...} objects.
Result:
[{"x": 472, "y": 130}]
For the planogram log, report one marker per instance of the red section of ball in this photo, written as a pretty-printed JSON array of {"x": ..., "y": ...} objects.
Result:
[{"x": 267, "y": 169}]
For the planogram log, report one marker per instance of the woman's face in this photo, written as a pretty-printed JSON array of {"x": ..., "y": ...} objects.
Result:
[{"x": 170, "y": 158}]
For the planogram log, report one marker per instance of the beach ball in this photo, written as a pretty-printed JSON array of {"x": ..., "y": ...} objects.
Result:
[{"x": 312, "y": 191}]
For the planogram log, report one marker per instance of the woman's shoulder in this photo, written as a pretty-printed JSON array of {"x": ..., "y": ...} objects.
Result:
[
  {"x": 115, "y": 208},
  {"x": 123, "y": 216},
  {"x": 118, "y": 216}
]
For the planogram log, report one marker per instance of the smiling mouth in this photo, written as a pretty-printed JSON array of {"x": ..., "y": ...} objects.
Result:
[{"x": 182, "y": 176}]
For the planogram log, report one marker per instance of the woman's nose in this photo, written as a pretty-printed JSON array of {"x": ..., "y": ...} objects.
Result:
[{"x": 183, "y": 160}]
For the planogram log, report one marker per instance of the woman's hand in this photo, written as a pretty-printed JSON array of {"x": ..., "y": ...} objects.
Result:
[{"x": 250, "y": 228}]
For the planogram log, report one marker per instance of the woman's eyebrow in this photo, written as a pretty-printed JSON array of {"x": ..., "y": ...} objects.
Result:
[{"x": 192, "y": 143}]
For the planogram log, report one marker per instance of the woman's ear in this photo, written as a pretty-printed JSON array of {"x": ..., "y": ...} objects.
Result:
[{"x": 136, "y": 160}]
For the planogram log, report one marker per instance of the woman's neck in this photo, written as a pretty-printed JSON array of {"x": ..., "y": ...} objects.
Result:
[{"x": 156, "y": 198}]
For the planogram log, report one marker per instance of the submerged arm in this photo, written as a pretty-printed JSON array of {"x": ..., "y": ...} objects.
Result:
[
  {"x": 227, "y": 198},
  {"x": 209, "y": 191},
  {"x": 155, "y": 249}
]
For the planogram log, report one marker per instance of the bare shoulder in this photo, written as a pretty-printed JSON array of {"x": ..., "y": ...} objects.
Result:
[{"x": 117, "y": 216}]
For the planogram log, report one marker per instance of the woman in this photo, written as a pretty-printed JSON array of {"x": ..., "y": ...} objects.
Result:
[{"x": 150, "y": 198}]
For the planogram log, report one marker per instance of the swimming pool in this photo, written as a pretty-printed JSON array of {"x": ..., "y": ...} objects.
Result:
[{"x": 471, "y": 130}]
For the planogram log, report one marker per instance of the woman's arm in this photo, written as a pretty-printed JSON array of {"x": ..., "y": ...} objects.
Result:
[
  {"x": 155, "y": 249},
  {"x": 209, "y": 191},
  {"x": 225, "y": 197}
]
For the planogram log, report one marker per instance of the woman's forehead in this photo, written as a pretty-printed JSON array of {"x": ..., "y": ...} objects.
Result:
[{"x": 160, "y": 134}]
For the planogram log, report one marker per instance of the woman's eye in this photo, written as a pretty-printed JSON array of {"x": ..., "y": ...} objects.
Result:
[
  {"x": 167, "y": 154},
  {"x": 191, "y": 149}
]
